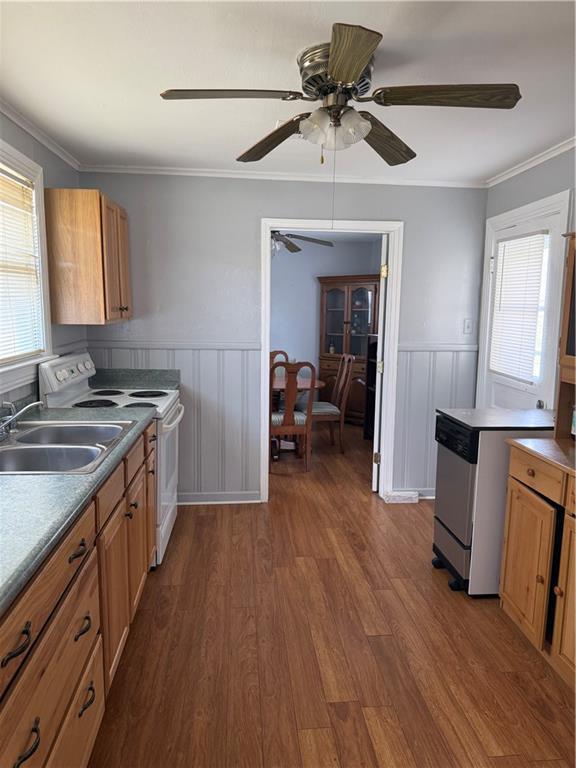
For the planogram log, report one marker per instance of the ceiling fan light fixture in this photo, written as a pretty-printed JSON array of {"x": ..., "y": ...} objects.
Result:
[{"x": 318, "y": 129}]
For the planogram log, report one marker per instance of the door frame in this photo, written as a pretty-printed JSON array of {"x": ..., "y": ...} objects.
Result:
[
  {"x": 554, "y": 211},
  {"x": 392, "y": 250}
]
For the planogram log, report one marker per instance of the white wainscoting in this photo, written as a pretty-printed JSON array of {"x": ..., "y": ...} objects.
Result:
[
  {"x": 220, "y": 389},
  {"x": 430, "y": 376}
]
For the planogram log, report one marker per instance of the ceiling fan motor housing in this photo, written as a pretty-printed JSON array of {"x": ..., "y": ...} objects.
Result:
[{"x": 313, "y": 64}]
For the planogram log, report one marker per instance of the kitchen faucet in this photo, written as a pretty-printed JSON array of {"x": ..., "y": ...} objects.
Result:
[{"x": 6, "y": 421}]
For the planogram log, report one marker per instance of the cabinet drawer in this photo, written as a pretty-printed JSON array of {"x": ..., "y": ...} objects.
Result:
[
  {"x": 150, "y": 438},
  {"x": 31, "y": 716},
  {"x": 78, "y": 733},
  {"x": 134, "y": 460},
  {"x": 570, "y": 502},
  {"x": 109, "y": 495},
  {"x": 23, "y": 624},
  {"x": 537, "y": 474}
]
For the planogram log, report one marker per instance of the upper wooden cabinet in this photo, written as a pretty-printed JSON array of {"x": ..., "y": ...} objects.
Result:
[{"x": 88, "y": 256}]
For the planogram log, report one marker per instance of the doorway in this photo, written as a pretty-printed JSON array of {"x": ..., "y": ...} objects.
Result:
[{"x": 389, "y": 236}]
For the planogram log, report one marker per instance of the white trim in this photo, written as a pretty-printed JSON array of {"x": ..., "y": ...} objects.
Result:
[
  {"x": 506, "y": 223},
  {"x": 24, "y": 371},
  {"x": 533, "y": 161},
  {"x": 401, "y": 497},
  {"x": 37, "y": 133},
  {"x": 144, "y": 344},
  {"x": 395, "y": 232},
  {"x": 217, "y": 173},
  {"x": 217, "y": 497},
  {"x": 436, "y": 346}
]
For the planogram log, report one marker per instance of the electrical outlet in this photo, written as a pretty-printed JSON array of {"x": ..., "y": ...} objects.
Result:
[{"x": 467, "y": 326}]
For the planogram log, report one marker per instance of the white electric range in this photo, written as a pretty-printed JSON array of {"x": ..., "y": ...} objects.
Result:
[{"x": 64, "y": 383}]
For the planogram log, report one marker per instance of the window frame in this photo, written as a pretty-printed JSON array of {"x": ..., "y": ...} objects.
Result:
[
  {"x": 25, "y": 371},
  {"x": 551, "y": 214}
]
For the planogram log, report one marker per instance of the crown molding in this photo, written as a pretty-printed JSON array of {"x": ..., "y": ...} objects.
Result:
[
  {"x": 533, "y": 161},
  {"x": 37, "y": 133},
  {"x": 155, "y": 170}
]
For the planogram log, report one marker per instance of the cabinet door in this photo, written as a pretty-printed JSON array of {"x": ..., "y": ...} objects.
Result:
[
  {"x": 110, "y": 242},
  {"x": 124, "y": 264},
  {"x": 563, "y": 637},
  {"x": 151, "y": 506},
  {"x": 525, "y": 577},
  {"x": 137, "y": 538},
  {"x": 362, "y": 318},
  {"x": 114, "y": 589},
  {"x": 334, "y": 320}
]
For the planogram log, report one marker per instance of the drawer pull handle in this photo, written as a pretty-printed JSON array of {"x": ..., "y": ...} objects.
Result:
[
  {"x": 151, "y": 472},
  {"x": 530, "y": 472},
  {"x": 558, "y": 591},
  {"x": 34, "y": 746},
  {"x": 129, "y": 514},
  {"x": 133, "y": 505},
  {"x": 19, "y": 648},
  {"x": 80, "y": 551},
  {"x": 152, "y": 439},
  {"x": 84, "y": 628},
  {"x": 540, "y": 579},
  {"x": 91, "y": 699}
]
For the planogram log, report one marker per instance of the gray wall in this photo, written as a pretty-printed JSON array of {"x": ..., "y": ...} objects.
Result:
[
  {"x": 295, "y": 290},
  {"x": 555, "y": 175},
  {"x": 195, "y": 245},
  {"x": 57, "y": 173}
]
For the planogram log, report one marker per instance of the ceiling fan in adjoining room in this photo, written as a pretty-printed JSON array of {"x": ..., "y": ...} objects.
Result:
[
  {"x": 285, "y": 239},
  {"x": 339, "y": 72}
]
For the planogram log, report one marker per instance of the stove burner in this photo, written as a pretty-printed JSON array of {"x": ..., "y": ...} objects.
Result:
[
  {"x": 109, "y": 392},
  {"x": 96, "y": 404},
  {"x": 139, "y": 405},
  {"x": 149, "y": 393}
]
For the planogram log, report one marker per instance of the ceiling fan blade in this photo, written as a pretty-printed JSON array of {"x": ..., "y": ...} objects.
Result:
[
  {"x": 290, "y": 246},
  {"x": 495, "y": 96},
  {"x": 224, "y": 93},
  {"x": 389, "y": 146},
  {"x": 272, "y": 140},
  {"x": 311, "y": 240},
  {"x": 351, "y": 49}
]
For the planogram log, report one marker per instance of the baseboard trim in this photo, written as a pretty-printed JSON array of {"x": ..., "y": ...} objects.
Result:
[
  {"x": 219, "y": 497},
  {"x": 401, "y": 497}
]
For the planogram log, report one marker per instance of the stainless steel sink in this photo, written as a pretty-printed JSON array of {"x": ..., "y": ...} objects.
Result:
[
  {"x": 71, "y": 434},
  {"x": 49, "y": 458}
]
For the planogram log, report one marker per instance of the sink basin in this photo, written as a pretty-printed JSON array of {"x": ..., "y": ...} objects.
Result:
[
  {"x": 49, "y": 458},
  {"x": 71, "y": 434}
]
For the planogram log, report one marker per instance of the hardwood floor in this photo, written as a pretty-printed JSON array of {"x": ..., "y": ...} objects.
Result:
[{"x": 312, "y": 631}]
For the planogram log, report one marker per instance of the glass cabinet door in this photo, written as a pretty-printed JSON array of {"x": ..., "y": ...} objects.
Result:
[
  {"x": 334, "y": 321},
  {"x": 362, "y": 320}
]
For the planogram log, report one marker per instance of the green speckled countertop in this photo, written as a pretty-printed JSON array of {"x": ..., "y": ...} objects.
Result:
[{"x": 37, "y": 510}]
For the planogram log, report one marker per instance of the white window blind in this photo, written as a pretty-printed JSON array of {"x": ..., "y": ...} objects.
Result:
[
  {"x": 21, "y": 312},
  {"x": 518, "y": 307}
]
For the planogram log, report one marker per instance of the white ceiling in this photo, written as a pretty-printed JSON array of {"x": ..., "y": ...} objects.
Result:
[{"x": 90, "y": 74}]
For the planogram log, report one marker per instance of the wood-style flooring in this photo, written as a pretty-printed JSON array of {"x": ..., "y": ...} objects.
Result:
[{"x": 313, "y": 632}]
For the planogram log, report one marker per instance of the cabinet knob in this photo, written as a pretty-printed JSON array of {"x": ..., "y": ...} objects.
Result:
[
  {"x": 151, "y": 472},
  {"x": 129, "y": 515},
  {"x": 124, "y": 308},
  {"x": 530, "y": 472},
  {"x": 558, "y": 591},
  {"x": 540, "y": 579},
  {"x": 134, "y": 505}
]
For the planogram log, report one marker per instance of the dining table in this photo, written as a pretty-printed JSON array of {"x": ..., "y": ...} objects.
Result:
[{"x": 303, "y": 383}]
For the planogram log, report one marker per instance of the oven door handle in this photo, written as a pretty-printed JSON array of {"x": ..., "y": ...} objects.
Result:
[{"x": 168, "y": 427}]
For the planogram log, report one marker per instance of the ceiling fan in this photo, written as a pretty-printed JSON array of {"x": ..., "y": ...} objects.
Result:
[
  {"x": 340, "y": 71},
  {"x": 284, "y": 238}
]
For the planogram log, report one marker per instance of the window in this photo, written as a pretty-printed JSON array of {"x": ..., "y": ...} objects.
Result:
[
  {"x": 520, "y": 272},
  {"x": 23, "y": 331}
]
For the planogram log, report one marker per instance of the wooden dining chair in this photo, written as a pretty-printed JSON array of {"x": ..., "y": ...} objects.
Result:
[
  {"x": 278, "y": 353},
  {"x": 288, "y": 422},
  {"x": 335, "y": 411}
]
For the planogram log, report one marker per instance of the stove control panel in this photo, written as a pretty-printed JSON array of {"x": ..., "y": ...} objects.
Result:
[{"x": 61, "y": 373}]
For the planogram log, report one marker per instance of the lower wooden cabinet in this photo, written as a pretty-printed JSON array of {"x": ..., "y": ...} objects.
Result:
[
  {"x": 114, "y": 589},
  {"x": 151, "y": 506},
  {"x": 82, "y": 721},
  {"x": 563, "y": 641},
  {"x": 136, "y": 514},
  {"x": 525, "y": 577}
]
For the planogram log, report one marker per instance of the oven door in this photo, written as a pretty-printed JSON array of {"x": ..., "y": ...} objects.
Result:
[{"x": 167, "y": 478}]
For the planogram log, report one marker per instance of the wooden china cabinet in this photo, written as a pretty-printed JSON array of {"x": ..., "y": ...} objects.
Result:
[{"x": 348, "y": 318}]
